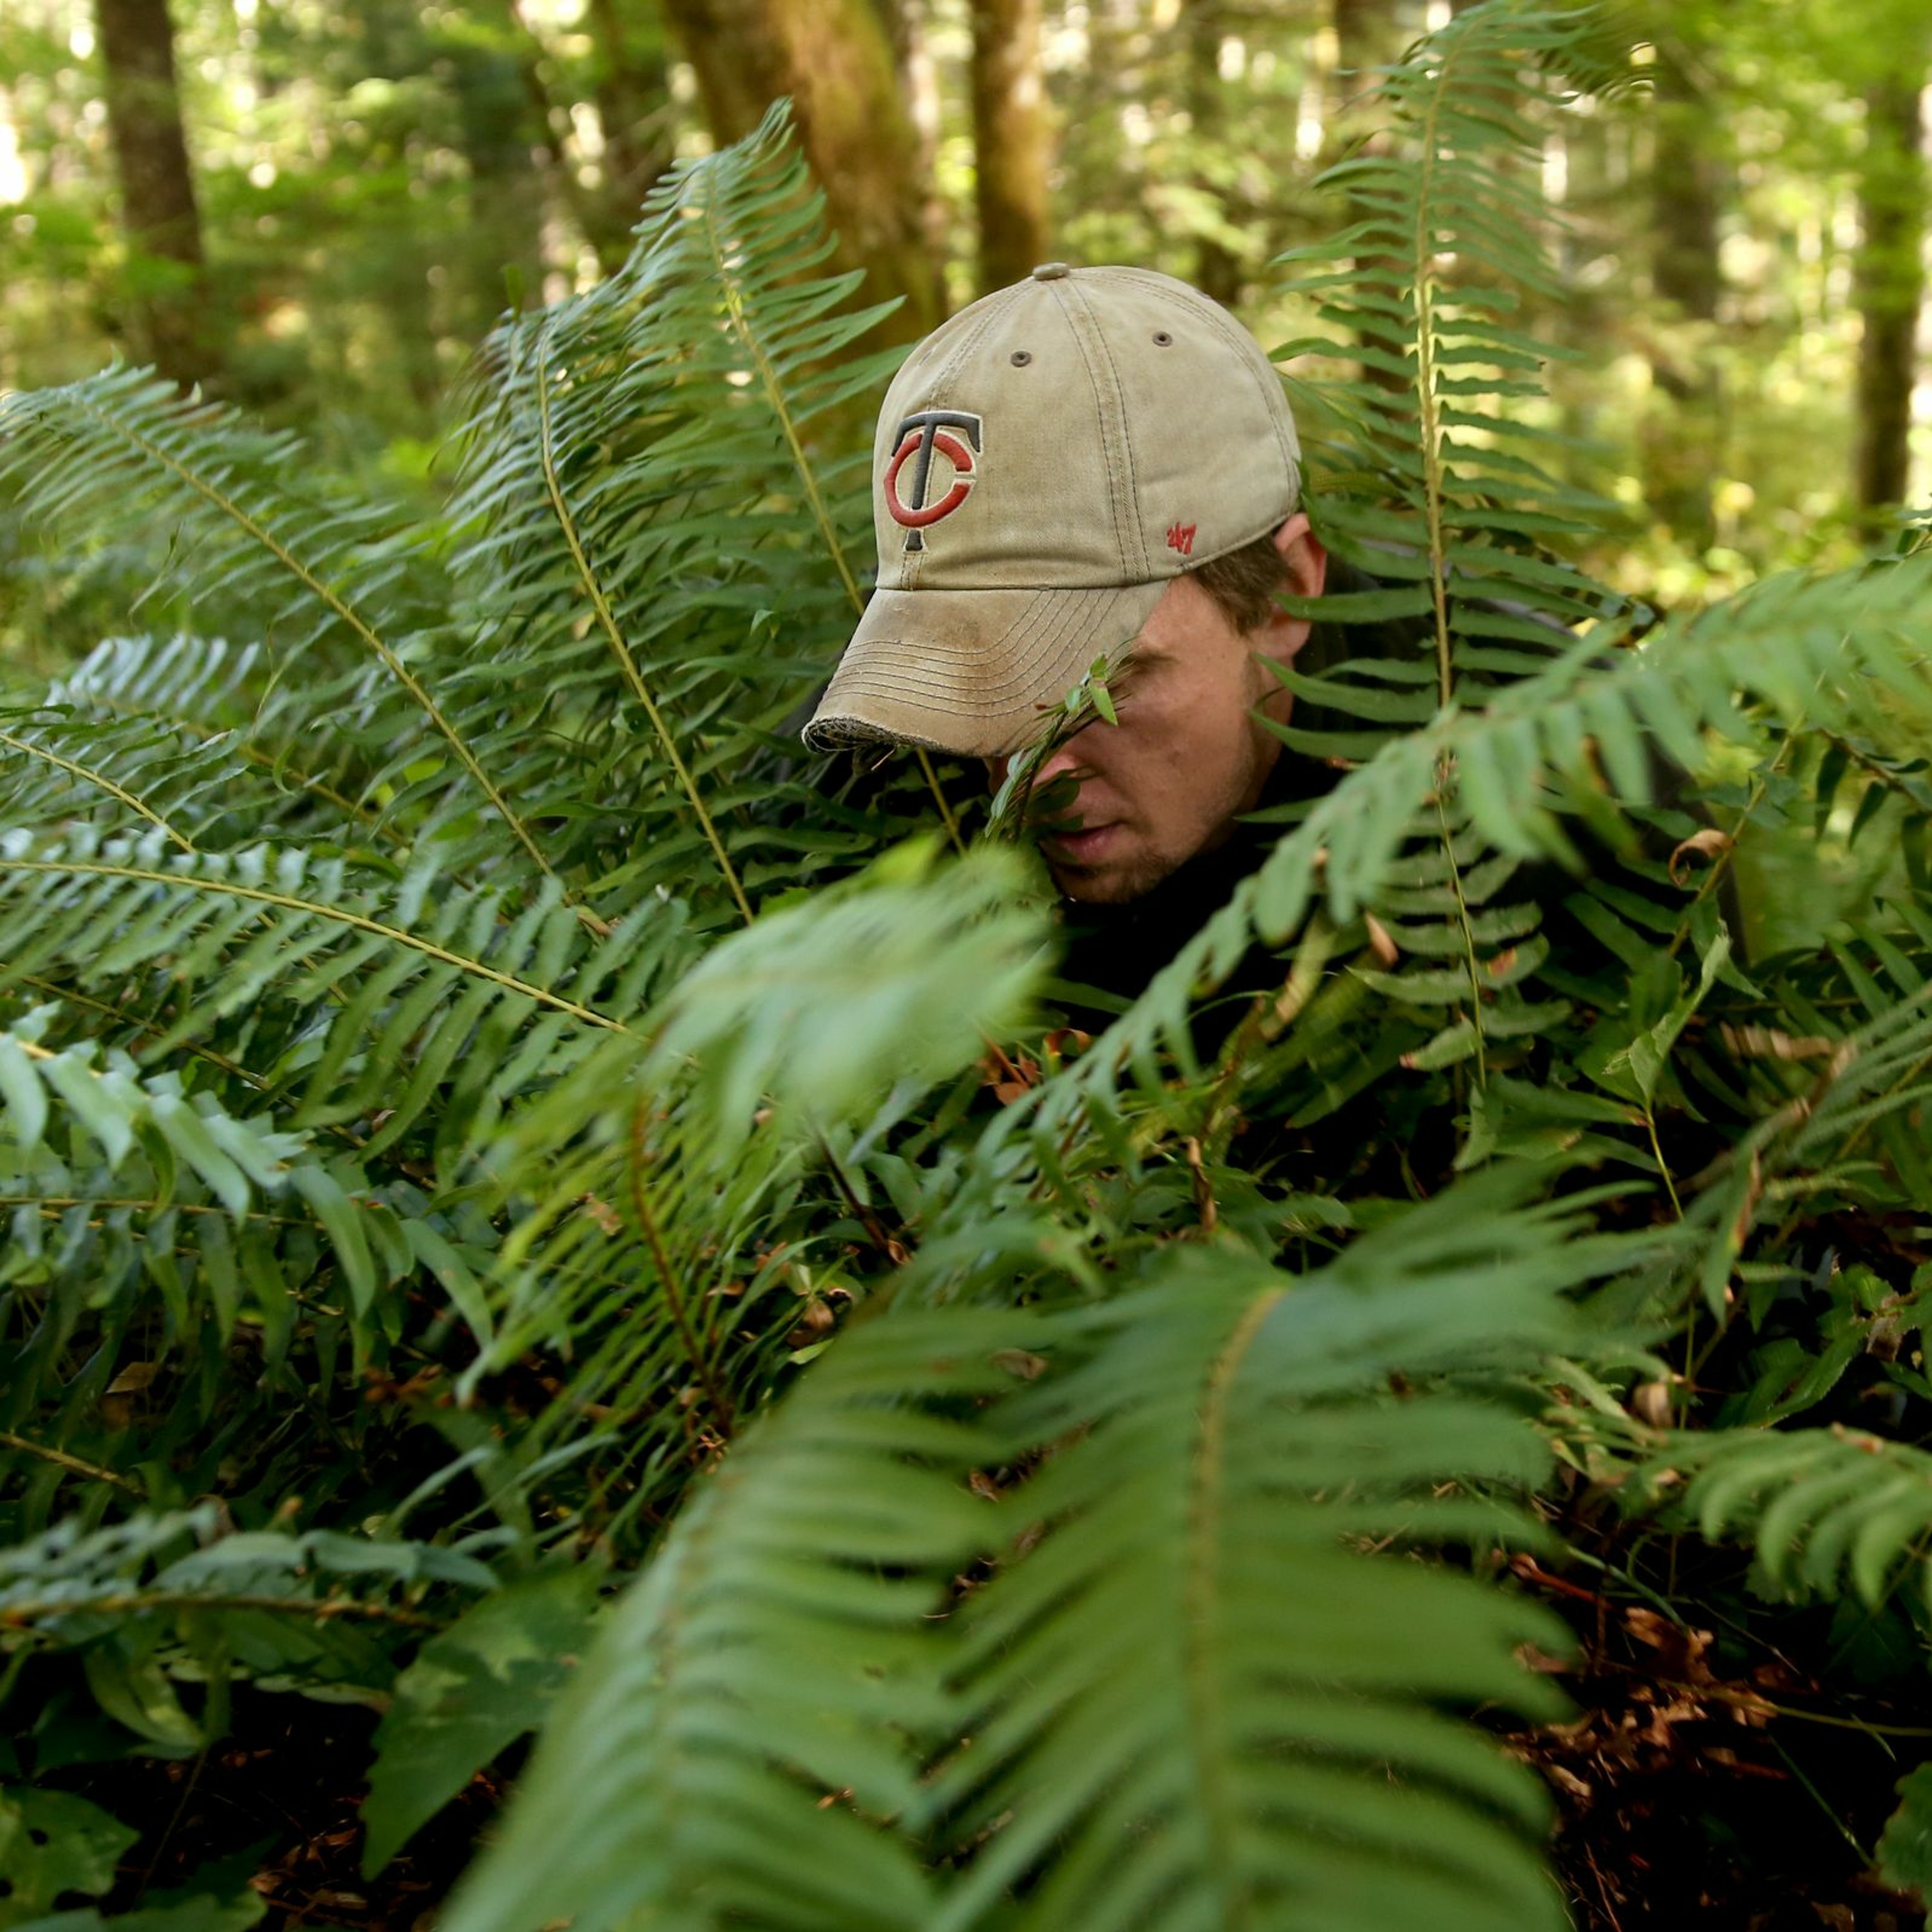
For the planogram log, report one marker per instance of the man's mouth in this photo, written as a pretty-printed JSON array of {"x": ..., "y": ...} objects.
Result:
[{"x": 1086, "y": 847}]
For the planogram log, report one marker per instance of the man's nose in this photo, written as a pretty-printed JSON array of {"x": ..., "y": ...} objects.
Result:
[
  {"x": 1065, "y": 760},
  {"x": 1064, "y": 763}
]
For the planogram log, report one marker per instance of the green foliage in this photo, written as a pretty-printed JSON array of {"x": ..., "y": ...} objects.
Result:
[
  {"x": 462, "y": 1067},
  {"x": 470, "y": 1693},
  {"x": 1186, "y": 1695},
  {"x": 53, "y": 1843}
]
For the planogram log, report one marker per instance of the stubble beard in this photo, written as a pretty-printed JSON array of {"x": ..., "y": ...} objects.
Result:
[{"x": 1129, "y": 878}]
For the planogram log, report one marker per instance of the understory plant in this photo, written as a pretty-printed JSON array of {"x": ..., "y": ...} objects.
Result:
[{"x": 536, "y": 1207}]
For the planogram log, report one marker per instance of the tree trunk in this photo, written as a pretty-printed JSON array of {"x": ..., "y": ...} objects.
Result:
[
  {"x": 1217, "y": 271},
  {"x": 159, "y": 217},
  {"x": 1889, "y": 279},
  {"x": 632, "y": 94},
  {"x": 1683, "y": 447},
  {"x": 504, "y": 128},
  {"x": 1368, "y": 34},
  {"x": 833, "y": 58},
  {"x": 1010, "y": 142}
]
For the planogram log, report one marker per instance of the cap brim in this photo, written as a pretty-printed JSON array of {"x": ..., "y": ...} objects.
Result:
[{"x": 971, "y": 672}]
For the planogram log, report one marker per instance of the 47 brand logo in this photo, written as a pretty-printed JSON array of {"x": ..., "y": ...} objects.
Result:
[{"x": 919, "y": 436}]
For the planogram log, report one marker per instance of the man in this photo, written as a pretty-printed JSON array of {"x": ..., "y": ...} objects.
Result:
[{"x": 1095, "y": 462}]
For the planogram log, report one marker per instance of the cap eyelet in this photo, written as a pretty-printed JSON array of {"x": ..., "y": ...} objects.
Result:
[
  {"x": 1020, "y": 358},
  {"x": 1161, "y": 340}
]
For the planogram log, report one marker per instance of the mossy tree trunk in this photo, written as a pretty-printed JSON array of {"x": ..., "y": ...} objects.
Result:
[
  {"x": 1011, "y": 140},
  {"x": 1889, "y": 280},
  {"x": 1216, "y": 270},
  {"x": 1683, "y": 450},
  {"x": 834, "y": 58},
  {"x": 632, "y": 91},
  {"x": 160, "y": 218}
]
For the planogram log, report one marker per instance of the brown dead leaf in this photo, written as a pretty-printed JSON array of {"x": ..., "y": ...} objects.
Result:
[
  {"x": 1681, "y": 1650},
  {"x": 1651, "y": 1402},
  {"x": 1542, "y": 1662},
  {"x": 134, "y": 1377},
  {"x": 1760, "y": 1042},
  {"x": 1502, "y": 962},
  {"x": 1380, "y": 944},
  {"x": 1709, "y": 843},
  {"x": 1018, "y": 1362},
  {"x": 813, "y": 1319},
  {"x": 606, "y": 1216},
  {"x": 982, "y": 1484},
  {"x": 1009, "y": 1078}
]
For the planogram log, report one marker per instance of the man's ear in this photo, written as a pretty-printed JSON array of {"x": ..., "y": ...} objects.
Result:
[{"x": 1305, "y": 572}]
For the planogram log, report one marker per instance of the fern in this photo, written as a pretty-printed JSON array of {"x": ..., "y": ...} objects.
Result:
[
  {"x": 431, "y": 1104},
  {"x": 1188, "y": 1701},
  {"x": 1823, "y": 1510},
  {"x": 121, "y": 446},
  {"x": 773, "y": 1658}
]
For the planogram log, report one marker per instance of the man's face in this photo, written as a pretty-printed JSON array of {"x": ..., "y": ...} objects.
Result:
[{"x": 1188, "y": 756}]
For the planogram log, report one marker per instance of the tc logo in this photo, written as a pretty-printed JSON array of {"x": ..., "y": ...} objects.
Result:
[{"x": 921, "y": 434}]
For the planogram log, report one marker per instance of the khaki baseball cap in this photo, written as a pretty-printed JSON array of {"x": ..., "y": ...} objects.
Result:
[{"x": 1046, "y": 463}]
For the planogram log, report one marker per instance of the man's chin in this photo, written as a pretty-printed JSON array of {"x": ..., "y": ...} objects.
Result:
[{"x": 1119, "y": 881}]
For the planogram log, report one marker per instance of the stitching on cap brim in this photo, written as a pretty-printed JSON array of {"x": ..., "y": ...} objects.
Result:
[{"x": 907, "y": 677}]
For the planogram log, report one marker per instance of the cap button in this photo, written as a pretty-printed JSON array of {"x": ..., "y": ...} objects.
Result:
[{"x": 1051, "y": 271}]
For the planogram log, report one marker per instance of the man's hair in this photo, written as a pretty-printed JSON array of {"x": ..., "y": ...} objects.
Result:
[{"x": 1245, "y": 583}]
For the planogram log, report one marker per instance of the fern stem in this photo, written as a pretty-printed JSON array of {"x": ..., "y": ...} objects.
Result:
[
  {"x": 1425, "y": 390},
  {"x": 607, "y": 619},
  {"x": 699, "y": 1357},
  {"x": 62, "y": 1459},
  {"x": 1442, "y": 775},
  {"x": 808, "y": 477},
  {"x": 334, "y": 601},
  {"x": 59, "y": 1203},
  {"x": 91, "y": 777},
  {"x": 781, "y": 408},
  {"x": 132, "y": 1602},
  {"x": 287, "y": 902},
  {"x": 1663, "y": 1165},
  {"x": 1201, "y": 1633},
  {"x": 946, "y": 813},
  {"x": 72, "y": 996},
  {"x": 246, "y": 748}
]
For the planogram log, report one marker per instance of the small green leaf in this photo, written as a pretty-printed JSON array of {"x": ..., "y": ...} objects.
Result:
[
  {"x": 26, "y": 1098},
  {"x": 1905, "y": 1851},
  {"x": 337, "y": 1212},
  {"x": 136, "y": 1692},
  {"x": 93, "y": 1104},
  {"x": 51, "y": 1842},
  {"x": 470, "y": 1694}
]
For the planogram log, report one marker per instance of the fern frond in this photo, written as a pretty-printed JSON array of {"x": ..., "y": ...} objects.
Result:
[
  {"x": 703, "y": 1150},
  {"x": 323, "y": 982},
  {"x": 33, "y": 748},
  {"x": 187, "y": 692},
  {"x": 1421, "y": 291},
  {"x": 1823, "y": 1511},
  {"x": 1191, "y": 1700},
  {"x": 652, "y": 537},
  {"x": 777, "y": 1655},
  {"x": 121, "y": 445}
]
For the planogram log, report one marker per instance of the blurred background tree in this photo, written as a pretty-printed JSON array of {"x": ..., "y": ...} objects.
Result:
[{"x": 316, "y": 207}]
